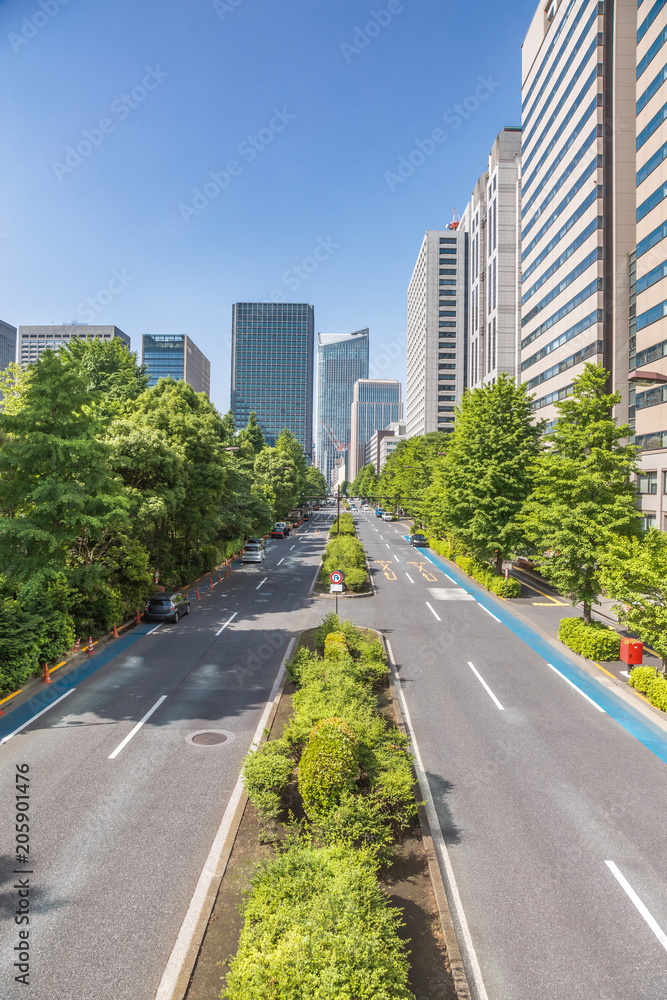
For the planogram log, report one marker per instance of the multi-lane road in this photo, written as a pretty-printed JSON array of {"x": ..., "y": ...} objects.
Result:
[{"x": 548, "y": 786}]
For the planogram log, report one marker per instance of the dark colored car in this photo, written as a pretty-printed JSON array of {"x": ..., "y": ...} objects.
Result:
[
  {"x": 163, "y": 607},
  {"x": 419, "y": 540},
  {"x": 278, "y": 532}
]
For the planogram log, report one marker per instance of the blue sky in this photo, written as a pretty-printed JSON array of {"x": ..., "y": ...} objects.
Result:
[{"x": 299, "y": 111}]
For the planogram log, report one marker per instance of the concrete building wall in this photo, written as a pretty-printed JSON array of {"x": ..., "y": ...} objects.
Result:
[
  {"x": 34, "y": 340},
  {"x": 7, "y": 344}
]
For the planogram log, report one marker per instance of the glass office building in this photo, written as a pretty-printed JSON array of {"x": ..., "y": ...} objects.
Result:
[
  {"x": 376, "y": 404},
  {"x": 272, "y": 368},
  {"x": 342, "y": 358},
  {"x": 175, "y": 356}
]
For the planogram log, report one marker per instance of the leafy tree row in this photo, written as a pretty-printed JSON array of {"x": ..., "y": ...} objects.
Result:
[{"x": 105, "y": 482}]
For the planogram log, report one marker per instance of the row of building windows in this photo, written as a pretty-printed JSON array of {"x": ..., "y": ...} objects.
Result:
[
  {"x": 651, "y": 164},
  {"x": 585, "y": 293},
  {"x": 652, "y": 89},
  {"x": 578, "y": 358},
  {"x": 651, "y": 53},
  {"x": 565, "y": 256},
  {"x": 580, "y": 269},
  {"x": 563, "y": 338},
  {"x": 567, "y": 173},
  {"x": 652, "y": 277},
  {"x": 572, "y": 193},
  {"x": 649, "y": 19},
  {"x": 557, "y": 237},
  {"x": 653, "y": 353},
  {"x": 652, "y": 126},
  {"x": 569, "y": 142}
]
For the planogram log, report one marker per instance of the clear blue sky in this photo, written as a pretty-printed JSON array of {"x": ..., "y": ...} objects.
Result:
[{"x": 180, "y": 87}]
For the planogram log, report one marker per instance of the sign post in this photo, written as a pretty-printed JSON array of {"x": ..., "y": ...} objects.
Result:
[
  {"x": 507, "y": 573},
  {"x": 337, "y": 578}
]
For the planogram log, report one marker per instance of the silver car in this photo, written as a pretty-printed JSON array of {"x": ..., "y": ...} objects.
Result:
[
  {"x": 163, "y": 607},
  {"x": 253, "y": 553}
]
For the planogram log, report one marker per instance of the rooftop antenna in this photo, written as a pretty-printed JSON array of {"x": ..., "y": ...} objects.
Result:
[{"x": 454, "y": 224}]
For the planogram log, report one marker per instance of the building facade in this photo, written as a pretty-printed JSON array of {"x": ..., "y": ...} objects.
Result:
[
  {"x": 491, "y": 220},
  {"x": 34, "y": 340},
  {"x": 7, "y": 344},
  {"x": 437, "y": 329},
  {"x": 175, "y": 356},
  {"x": 648, "y": 263},
  {"x": 272, "y": 368},
  {"x": 383, "y": 444},
  {"x": 342, "y": 358},
  {"x": 376, "y": 403},
  {"x": 577, "y": 211}
]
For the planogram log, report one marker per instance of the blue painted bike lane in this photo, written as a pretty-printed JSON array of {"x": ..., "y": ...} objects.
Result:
[
  {"x": 648, "y": 733},
  {"x": 59, "y": 689}
]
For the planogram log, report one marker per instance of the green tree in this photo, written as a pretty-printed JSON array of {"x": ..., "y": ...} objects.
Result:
[
  {"x": 251, "y": 437},
  {"x": 485, "y": 479},
  {"x": 278, "y": 478},
  {"x": 229, "y": 428},
  {"x": 583, "y": 497},
  {"x": 14, "y": 382},
  {"x": 109, "y": 370},
  {"x": 408, "y": 472},
  {"x": 58, "y": 496},
  {"x": 633, "y": 571},
  {"x": 316, "y": 484}
]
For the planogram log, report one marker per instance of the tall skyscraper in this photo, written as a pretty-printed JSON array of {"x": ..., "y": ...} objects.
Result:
[
  {"x": 7, "y": 344},
  {"x": 491, "y": 219},
  {"x": 648, "y": 264},
  {"x": 577, "y": 207},
  {"x": 33, "y": 340},
  {"x": 177, "y": 356},
  {"x": 272, "y": 368},
  {"x": 376, "y": 403},
  {"x": 342, "y": 358},
  {"x": 437, "y": 331}
]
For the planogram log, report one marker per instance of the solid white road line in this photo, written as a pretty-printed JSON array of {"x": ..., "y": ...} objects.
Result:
[
  {"x": 156, "y": 627},
  {"x": 261, "y": 583},
  {"x": 485, "y": 685},
  {"x": 136, "y": 728},
  {"x": 281, "y": 560},
  {"x": 55, "y": 702},
  {"x": 227, "y": 623},
  {"x": 167, "y": 989},
  {"x": 435, "y": 615},
  {"x": 388, "y": 545},
  {"x": 397, "y": 559},
  {"x": 650, "y": 920},
  {"x": 438, "y": 839},
  {"x": 412, "y": 581},
  {"x": 573, "y": 685},
  {"x": 487, "y": 611}
]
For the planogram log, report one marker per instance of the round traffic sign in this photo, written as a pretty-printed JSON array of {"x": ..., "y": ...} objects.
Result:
[{"x": 337, "y": 576}]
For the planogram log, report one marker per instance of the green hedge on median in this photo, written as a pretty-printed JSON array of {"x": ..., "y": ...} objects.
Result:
[
  {"x": 343, "y": 525},
  {"x": 594, "y": 641},
  {"x": 347, "y": 554},
  {"x": 655, "y": 688}
]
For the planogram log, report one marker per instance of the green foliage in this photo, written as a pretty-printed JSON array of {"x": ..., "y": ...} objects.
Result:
[
  {"x": 365, "y": 482},
  {"x": 345, "y": 553},
  {"x": 316, "y": 484},
  {"x": 442, "y": 548},
  {"x": 497, "y": 586},
  {"x": 343, "y": 525},
  {"x": 14, "y": 380},
  {"x": 335, "y": 645},
  {"x": 328, "y": 765},
  {"x": 410, "y": 470},
  {"x": 478, "y": 491},
  {"x": 583, "y": 499},
  {"x": 593, "y": 640},
  {"x": 644, "y": 679},
  {"x": 317, "y": 926},
  {"x": 266, "y": 772},
  {"x": 108, "y": 370},
  {"x": 251, "y": 438},
  {"x": 641, "y": 677},
  {"x": 634, "y": 573},
  {"x": 281, "y": 473}
]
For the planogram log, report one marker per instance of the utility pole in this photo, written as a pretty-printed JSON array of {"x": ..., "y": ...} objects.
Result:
[{"x": 338, "y": 517}]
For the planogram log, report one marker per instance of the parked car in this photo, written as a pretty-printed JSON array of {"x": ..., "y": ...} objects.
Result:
[
  {"x": 257, "y": 541},
  {"x": 386, "y": 516},
  {"x": 285, "y": 526},
  {"x": 366, "y": 507},
  {"x": 419, "y": 540},
  {"x": 278, "y": 532},
  {"x": 379, "y": 512},
  {"x": 253, "y": 553},
  {"x": 163, "y": 607}
]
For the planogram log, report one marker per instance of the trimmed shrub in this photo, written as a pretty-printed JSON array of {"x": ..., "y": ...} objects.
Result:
[
  {"x": 328, "y": 765},
  {"x": 343, "y": 525},
  {"x": 266, "y": 772},
  {"x": 335, "y": 645},
  {"x": 594, "y": 641},
  {"x": 318, "y": 925},
  {"x": 442, "y": 548},
  {"x": 497, "y": 586},
  {"x": 655, "y": 688},
  {"x": 347, "y": 554}
]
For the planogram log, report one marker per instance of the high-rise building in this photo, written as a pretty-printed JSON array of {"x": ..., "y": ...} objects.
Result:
[
  {"x": 648, "y": 264},
  {"x": 437, "y": 330},
  {"x": 375, "y": 404},
  {"x": 33, "y": 340},
  {"x": 175, "y": 355},
  {"x": 7, "y": 344},
  {"x": 577, "y": 208},
  {"x": 383, "y": 444},
  {"x": 342, "y": 358},
  {"x": 491, "y": 219},
  {"x": 272, "y": 368}
]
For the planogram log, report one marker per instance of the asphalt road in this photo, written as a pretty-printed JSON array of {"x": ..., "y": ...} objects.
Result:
[
  {"x": 535, "y": 788},
  {"x": 118, "y": 844}
]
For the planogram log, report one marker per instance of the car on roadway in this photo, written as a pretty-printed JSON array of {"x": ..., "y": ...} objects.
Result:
[
  {"x": 257, "y": 541},
  {"x": 366, "y": 507},
  {"x": 285, "y": 525},
  {"x": 279, "y": 532},
  {"x": 379, "y": 512},
  {"x": 253, "y": 553},
  {"x": 165, "y": 607},
  {"x": 418, "y": 540},
  {"x": 386, "y": 516}
]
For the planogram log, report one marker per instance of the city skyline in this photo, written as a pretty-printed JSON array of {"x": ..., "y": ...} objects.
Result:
[{"x": 342, "y": 358}]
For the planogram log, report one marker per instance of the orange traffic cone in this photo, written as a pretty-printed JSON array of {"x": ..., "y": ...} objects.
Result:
[
  {"x": 219, "y": 577},
  {"x": 77, "y": 645},
  {"x": 226, "y": 571},
  {"x": 47, "y": 675},
  {"x": 138, "y": 616},
  {"x": 197, "y": 593},
  {"x": 210, "y": 586},
  {"x": 115, "y": 631},
  {"x": 90, "y": 646}
]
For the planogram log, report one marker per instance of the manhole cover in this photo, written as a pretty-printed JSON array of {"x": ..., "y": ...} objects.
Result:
[{"x": 209, "y": 737}]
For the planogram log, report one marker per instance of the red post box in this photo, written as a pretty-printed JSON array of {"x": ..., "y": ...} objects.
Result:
[{"x": 632, "y": 651}]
